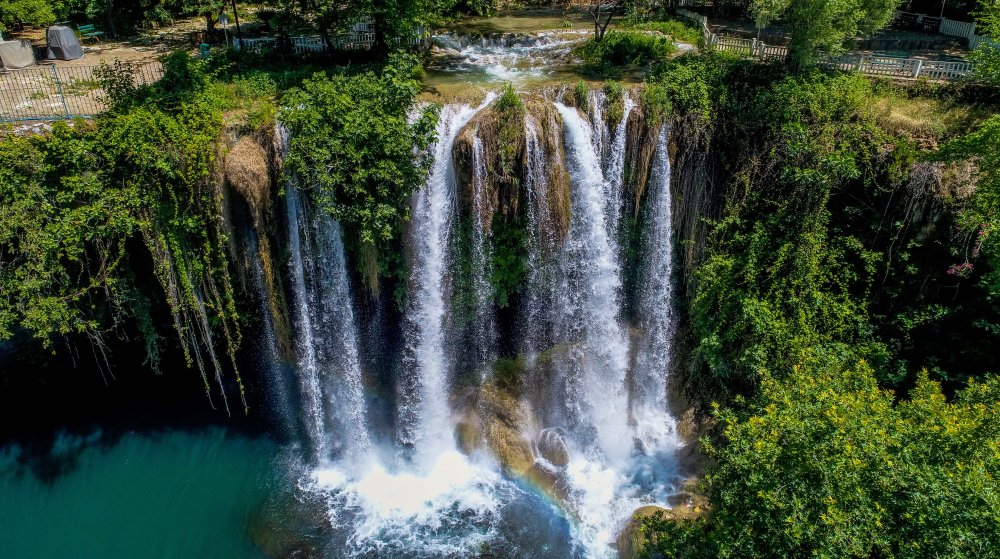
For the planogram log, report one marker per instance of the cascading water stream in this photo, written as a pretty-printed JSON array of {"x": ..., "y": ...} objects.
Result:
[
  {"x": 305, "y": 343},
  {"x": 591, "y": 321},
  {"x": 601, "y": 391},
  {"x": 615, "y": 173},
  {"x": 655, "y": 427},
  {"x": 424, "y": 404},
  {"x": 484, "y": 321},
  {"x": 327, "y": 345}
]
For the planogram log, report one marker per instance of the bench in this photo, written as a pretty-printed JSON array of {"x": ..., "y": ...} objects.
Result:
[{"x": 89, "y": 31}]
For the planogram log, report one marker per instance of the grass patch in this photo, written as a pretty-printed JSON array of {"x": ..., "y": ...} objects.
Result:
[
  {"x": 923, "y": 117},
  {"x": 681, "y": 31}
]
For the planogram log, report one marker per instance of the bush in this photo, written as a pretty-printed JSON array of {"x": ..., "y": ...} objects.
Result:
[
  {"x": 619, "y": 49},
  {"x": 827, "y": 464},
  {"x": 581, "y": 95},
  {"x": 615, "y": 94},
  {"x": 688, "y": 83}
]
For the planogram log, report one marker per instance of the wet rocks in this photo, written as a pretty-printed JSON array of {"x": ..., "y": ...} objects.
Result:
[
  {"x": 511, "y": 449},
  {"x": 552, "y": 447}
]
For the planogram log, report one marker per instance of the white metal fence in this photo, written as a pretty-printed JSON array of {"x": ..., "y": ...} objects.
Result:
[{"x": 905, "y": 68}]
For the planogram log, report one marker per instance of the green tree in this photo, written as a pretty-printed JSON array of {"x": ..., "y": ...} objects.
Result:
[
  {"x": 76, "y": 206},
  {"x": 820, "y": 27},
  {"x": 827, "y": 464},
  {"x": 353, "y": 143},
  {"x": 208, "y": 9},
  {"x": 38, "y": 12},
  {"x": 986, "y": 58}
]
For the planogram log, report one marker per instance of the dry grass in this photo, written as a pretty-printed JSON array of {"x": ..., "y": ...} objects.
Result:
[
  {"x": 926, "y": 118},
  {"x": 247, "y": 172}
]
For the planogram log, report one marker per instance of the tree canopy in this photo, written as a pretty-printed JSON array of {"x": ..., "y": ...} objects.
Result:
[
  {"x": 986, "y": 58},
  {"x": 38, "y": 12},
  {"x": 827, "y": 464},
  {"x": 820, "y": 27}
]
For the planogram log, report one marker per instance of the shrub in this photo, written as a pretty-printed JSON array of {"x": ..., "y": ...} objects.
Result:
[
  {"x": 615, "y": 94},
  {"x": 581, "y": 95},
  {"x": 622, "y": 48},
  {"x": 827, "y": 464}
]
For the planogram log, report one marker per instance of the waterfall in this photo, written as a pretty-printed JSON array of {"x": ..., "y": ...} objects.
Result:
[
  {"x": 305, "y": 346},
  {"x": 484, "y": 321},
  {"x": 654, "y": 425},
  {"x": 279, "y": 381},
  {"x": 596, "y": 380},
  {"x": 535, "y": 325},
  {"x": 326, "y": 341},
  {"x": 590, "y": 319},
  {"x": 424, "y": 398},
  {"x": 615, "y": 173}
]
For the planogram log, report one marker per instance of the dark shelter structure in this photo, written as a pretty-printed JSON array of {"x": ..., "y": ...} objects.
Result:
[{"x": 62, "y": 44}]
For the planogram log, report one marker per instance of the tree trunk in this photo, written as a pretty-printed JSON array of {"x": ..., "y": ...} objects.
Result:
[{"x": 380, "y": 43}]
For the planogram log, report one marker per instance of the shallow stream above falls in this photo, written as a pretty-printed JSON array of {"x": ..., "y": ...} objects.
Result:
[{"x": 452, "y": 426}]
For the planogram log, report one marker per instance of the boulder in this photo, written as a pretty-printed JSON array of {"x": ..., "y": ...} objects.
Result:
[
  {"x": 552, "y": 447},
  {"x": 467, "y": 437},
  {"x": 511, "y": 449}
]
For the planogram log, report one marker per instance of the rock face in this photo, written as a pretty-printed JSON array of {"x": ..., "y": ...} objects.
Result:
[
  {"x": 640, "y": 146},
  {"x": 496, "y": 422},
  {"x": 503, "y": 143},
  {"x": 510, "y": 447},
  {"x": 248, "y": 171},
  {"x": 552, "y": 447}
]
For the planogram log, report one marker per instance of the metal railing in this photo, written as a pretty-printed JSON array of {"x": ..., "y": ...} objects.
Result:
[
  {"x": 943, "y": 25},
  {"x": 905, "y": 68},
  {"x": 53, "y": 93},
  {"x": 361, "y": 37}
]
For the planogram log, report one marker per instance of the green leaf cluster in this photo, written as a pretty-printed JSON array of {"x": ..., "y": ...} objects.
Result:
[
  {"x": 77, "y": 205},
  {"x": 354, "y": 144},
  {"x": 36, "y": 12},
  {"x": 619, "y": 49},
  {"x": 827, "y": 464},
  {"x": 821, "y": 27}
]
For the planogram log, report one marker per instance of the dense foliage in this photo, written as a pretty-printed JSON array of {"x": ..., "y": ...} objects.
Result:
[
  {"x": 820, "y": 247},
  {"x": 77, "y": 205},
  {"x": 394, "y": 21},
  {"x": 839, "y": 243},
  {"x": 353, "y": 143},
  {"x": 986, "y": 58},
  {"x": 25, "y": 11},
  {"x": 827, "y": 464}
]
